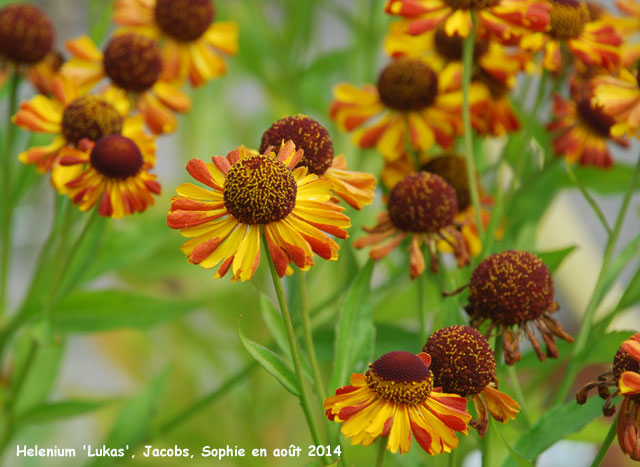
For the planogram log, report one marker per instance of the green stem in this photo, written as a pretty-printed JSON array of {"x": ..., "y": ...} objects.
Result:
[
  {"x": 293, "y": 344},
  {"x": 467, "y": 60},
  {"x": 517, "y": 388},
  {"x": 7, "y": 208},
  {"x": 308, "y": 337},
  {"x": 487, "y": 449},
  {"x": 587, "y": 196},
  {"x": 421, "y": 311},
  {"x": 542, "y": 91},
  {"x": 598, "y": 291},
  {"x": 606, "y": 444},
  {"x": 382, "y": 448}
]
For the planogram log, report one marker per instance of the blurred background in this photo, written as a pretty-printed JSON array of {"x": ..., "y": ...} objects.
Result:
[{"x": 291, "y": 54}]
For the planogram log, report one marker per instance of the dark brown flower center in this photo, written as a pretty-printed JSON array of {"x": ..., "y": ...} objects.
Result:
[
  {"x": 568, "y": 18},
  {"x": 90, "y": 117},
  {"x": 595, "y": 117},
  {"x": 497, "y": 88},
  {"x": 453, "y": 169},
  {"x": 511, "y": 288},
  {"x": 451, "y": 47},
  {"x": 624, "y": 362},
  {"x": 306, "y": 134},
  {"x": 595, "y": 10},
  {"x": 184, "y": 20},
  {"x": 259, "y": 190},
  {"x": 26, "y": 34},
  {"x": 462, "y": 361},
  {"x": 400, "y": 377},
  {"x": 408, "y": 85},
  {"x": 116, "y": 156},
  {"x": 471, "y": 4},
  {"x": 422, "y": 202},
  {"x": 133, "y": 62}
]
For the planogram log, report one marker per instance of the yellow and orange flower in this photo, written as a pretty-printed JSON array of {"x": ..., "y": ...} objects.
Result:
[
  {"x": 395, "y": 398},
  {"x": 463, "y": 363},
  {"x": 251, "y": 195},
  {"x": 423, "y": 206},
  {"x": 624, "y": 376},
  {"x": 592, "y": 43},
  {"x": 114, "y": 175},
  {"x": 505, "y": 20},
  {"x": 74, "y": 118},
  {"x": 192, "y": 42},
  {"x": 355, "y": 188},
  {"x": 411, "y": 102},
  {"x": 26, "y": 38},
  {"x": 582, "y": 132},
  {"x": 620, "y": 98},
  {"x": 133, "y": 63}
]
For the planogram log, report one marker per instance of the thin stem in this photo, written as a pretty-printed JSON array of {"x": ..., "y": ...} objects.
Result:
[
  {"x": 7, "y": 208},
  {"x": 587, "y": 196},
  {"x": 293, "y": 344},
  {"x": 467, "y": 60},
  {"x": 308, "y": 337},
  {"x": 598, "y": 291},
  {"x": 421, "y": 311},
  {"x": 542, "y": 91},
  {"x": 487, "y": 450},
  {"x": 382, "y": 448},
  {"x": 606, "y": 444}
]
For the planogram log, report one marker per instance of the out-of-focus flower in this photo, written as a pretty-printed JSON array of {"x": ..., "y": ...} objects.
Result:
[
  {"x": 26, "y": 37},
  {"x": 251, "y": 195},
  {"x": 410, "y": 102},
  {"x": 504, "y": 20},
  {"x": 514, "y": 290},
  {"x": 133, "y": 64},
  {"x": 191, "y": 40},
  {"x": 395, "y": 398},
  {"x": 453, "y": 169},
  {"x": 44, "y": 73},
  {"x": 582, "y": 132},
  {"x": 114, "y": 175},
  {"x": 422, "y": 206},
  {"x": 463, "y": 363},
  {"x": 75, "y": 119},
  {"x": 620, "y": 97},
  {"x": 592, "y": 43},
  {"x": 625, "y": 377},
  {"x": 356, "y": 188}
]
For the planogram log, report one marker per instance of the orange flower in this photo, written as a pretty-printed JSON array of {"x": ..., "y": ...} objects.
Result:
[
  {"x": 74, "y": 118},
  {"x": 620, "y": 98},
  {"x": 133, "y": 64},
  {"x": 411, "y": 102},
  {"x": 505, "y": 20},
  {"x": 395, "y": 398},
  {"x": 252, "y": 195},
  {"x": 191, "y": 41}
]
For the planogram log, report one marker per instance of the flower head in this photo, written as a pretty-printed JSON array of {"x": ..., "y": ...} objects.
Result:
[
  {"x": 356, "y": 188},
  {"x": 410, "y": 102},
  {"x": 251, "y": 195},
  {"x": 422, "y": 205},
  {"x": 192, "y": 41},
  {"x": 625, "y": 377},
  {"x": 582, "y": 131},
  {"x": 394, "y": 398},
  {"x": 133, "y": 64},
  {"x": 463, "y": 363},
  {"x": 114, "y": 175},
  {"x": 26, "y": 34},
  {"x": 515, "y": 288},
  {"x": 619, "y": 97},
  {"x": 75, "y": 119}
]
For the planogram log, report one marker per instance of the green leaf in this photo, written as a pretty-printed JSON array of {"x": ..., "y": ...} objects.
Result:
[
  {"x": 602, "y": 349},
  {"x": 631, "y": 295},
  {"x": 553, "y": 259},
  {"x": 273, "y": 320},
  {"x": 516, "y": 456},
  {"x": 613, "y": 181},
  {"x": 553, "y": 426},
  {"x": 271, "y": 362},
  {"x": 355, "y": 331},
  {"x": 132, "y": 425},
  {"x": 102, "y": 310},
  {"x": 46, "y": 413}
]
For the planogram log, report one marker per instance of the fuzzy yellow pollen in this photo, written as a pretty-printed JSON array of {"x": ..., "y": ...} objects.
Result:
[
  {"x": 567, "y": 19},
  {"x": 400, "y": 392},
  {"x": 90, "y": 117}
]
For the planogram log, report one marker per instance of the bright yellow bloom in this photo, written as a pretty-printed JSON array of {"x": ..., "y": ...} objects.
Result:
[
  {"x": 620, "y": 97},
  {"x": 251, "y": 195},
  {"x": 191, "y": 41}
]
